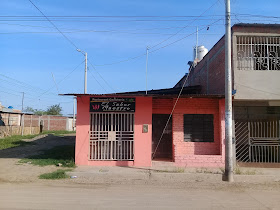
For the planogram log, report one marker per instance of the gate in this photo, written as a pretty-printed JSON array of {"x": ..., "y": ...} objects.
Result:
[
  {"x": 257, "y": 141},
  {"x": 111, "y": 136}
]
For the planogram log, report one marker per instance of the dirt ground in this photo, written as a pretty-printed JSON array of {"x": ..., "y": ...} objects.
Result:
[
  {"x": 12, "y": 171},
  {"x": 127, "y": 187}
]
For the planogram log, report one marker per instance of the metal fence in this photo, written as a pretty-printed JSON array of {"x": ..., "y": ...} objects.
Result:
[
  {"x": 257, "y": 141},
  {"x": 111, "y": 136},
  {"x": 258, "y": 52}
]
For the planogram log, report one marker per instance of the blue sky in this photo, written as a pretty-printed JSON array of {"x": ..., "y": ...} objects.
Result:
[{"x": 32, "y": 50}]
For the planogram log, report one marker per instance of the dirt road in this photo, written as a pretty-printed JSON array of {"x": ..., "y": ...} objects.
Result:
[
  {"x": 12, "y": 171},
  {"x": 31, "y": 196},
  {"x": 127, "y": 188}
]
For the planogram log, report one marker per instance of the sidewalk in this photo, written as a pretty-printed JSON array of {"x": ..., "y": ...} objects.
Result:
[{"x": 247, "y": 177}]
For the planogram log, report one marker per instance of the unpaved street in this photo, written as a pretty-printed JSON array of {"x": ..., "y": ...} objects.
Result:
[
  {"x": 31, "y": 196},
  {"x": 128, "y": 187}
]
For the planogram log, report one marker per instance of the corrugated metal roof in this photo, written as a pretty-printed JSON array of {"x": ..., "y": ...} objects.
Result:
[{"x": 187, "y": 92}]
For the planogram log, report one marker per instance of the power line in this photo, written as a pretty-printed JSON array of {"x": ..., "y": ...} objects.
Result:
[
  {"x": 182, "y": 28},
  {"x": 63, "y": 78},
  {"x": 108, "y": 16},
  {"x": 102, "y": 77},
  {"x": 133, "y": 16},
  {"x": 69, "y": 32},
  {"x": 21, "y": 84},
  {"x": 170, "y": 116},
  {"x": 136, "y": 57},
  {"x": 182, "y": 38},
  {"x": 61, "y": 34},
  {"x": 144, "y": 54},
  {"x": 112, "y": 30},
  {"x": 104, "y": 21},
  {"x": 98, "y": 81},
  {"x": 54, "y": 25}
]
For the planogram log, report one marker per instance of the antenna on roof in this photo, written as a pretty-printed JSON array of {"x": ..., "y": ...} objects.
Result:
[{"x": 196, "y": 43}]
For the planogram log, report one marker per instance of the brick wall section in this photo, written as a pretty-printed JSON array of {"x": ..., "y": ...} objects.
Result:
[
  {"x": 212, "y": 66},
  {"x": 31, "y": 120},
  {"x": 210, "y": 71},
  {"x": 50, "y": 122},
  {"x": 195, "y": 154},
  {"x": 257, "y": 28},
  {"x": 162, "y": 106}
]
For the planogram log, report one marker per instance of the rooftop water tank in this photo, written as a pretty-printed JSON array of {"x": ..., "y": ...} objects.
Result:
[{"x": 201, "y": 52}]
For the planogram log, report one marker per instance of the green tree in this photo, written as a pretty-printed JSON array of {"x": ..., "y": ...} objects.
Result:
[
  {"x": 34, "y": 111},
  {"x": 29, "y": 109},
  {"x": 54, "y": 110}
]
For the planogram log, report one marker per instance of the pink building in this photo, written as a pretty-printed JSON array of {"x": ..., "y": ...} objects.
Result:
[{"x": 131, "y": 129}]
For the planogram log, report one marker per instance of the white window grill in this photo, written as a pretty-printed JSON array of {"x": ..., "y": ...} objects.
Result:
[
  {"x": 258, "y": 52},
  {"x": 111, "y": 136}
]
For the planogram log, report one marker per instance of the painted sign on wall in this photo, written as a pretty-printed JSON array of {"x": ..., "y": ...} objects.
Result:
[{"x": 112, "y": 104}]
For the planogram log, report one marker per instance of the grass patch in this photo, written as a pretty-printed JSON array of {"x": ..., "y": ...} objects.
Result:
[
  {"x": 61, "y": 154},
  {"x": 176, "y": 170},
  {"x": 15, "y": 141},
  {"x": 238, "y": 171},
  {"x": 58, "y": 133},
  {"x": 208, "y": 171},
  {"x": 59, "y": 174}
]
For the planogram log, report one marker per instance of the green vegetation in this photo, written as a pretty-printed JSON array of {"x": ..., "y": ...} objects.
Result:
[
  {"x": 52, "y": 110},
  {"x": 59, "y": 174},
  {"x": 60, "y": 155},
  {"x": 15, "y": 141},
  {"x": 175, "y": 170},
  {"x": 238, "y": 171},
  {"x": 58, "y": 133},
  {"x": 18, "y": 140}
]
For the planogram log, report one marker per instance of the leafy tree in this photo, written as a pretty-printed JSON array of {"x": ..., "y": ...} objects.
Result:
[
  {"x": 54, "y": 110},
  {"x": 29, "y": 109},
  {"x": 40, "y": 112},
  {"x": 34, "y": 111}
]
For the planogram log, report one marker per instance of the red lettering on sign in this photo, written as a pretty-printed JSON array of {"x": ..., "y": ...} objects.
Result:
[{"x": 95, "y": 107}]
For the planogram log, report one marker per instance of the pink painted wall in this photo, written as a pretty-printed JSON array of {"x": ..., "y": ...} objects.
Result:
[
  {"x": 195, "y": 154},
  {"x": 198, "y": 154},
  {"x": 142, "y": 141}
]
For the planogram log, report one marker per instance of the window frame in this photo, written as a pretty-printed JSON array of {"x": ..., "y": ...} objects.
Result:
[{"x": 198, "y": 128}]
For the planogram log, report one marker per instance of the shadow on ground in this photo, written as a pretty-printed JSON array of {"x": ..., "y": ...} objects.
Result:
[{"x": 37, "y": 146}]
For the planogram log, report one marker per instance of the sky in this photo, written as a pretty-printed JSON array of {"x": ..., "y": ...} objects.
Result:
[{"x": 40, "y": 61}]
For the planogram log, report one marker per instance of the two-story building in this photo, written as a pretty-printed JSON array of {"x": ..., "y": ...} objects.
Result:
[{"x": 256, "y": 88}]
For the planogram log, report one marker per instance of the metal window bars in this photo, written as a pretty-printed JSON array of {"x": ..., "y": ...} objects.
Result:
[
  {"x": 257, "y": 141},
  {"x": 111, "y": 136},
  {"x": 258, "y": 52}
]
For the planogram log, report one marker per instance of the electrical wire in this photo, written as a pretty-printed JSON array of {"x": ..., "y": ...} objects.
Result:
[
  {"x": 144, "y": 54},
  {"x": 102, "y": 77},
  {"x": 183, "y": 27},
  {"x": 174, "y": 106},
  {"x": 57, "y": 30},
  {"x": 98, "y": 82},
  {"x": 62, "y": 79},
  {"x": 54, "y": 25}
]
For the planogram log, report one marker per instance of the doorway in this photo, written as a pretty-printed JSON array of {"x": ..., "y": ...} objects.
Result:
[{"x": 162, "y": 150}]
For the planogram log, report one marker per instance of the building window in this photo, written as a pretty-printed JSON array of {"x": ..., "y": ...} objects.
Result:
[
  {"x": 258, "y": 52},
  {"x": 198, "y": 128}
]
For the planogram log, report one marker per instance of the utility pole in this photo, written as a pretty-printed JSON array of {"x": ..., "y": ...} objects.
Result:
[
  {"x": 85, "y": 83},
  {"x": 22, "y": 116},
  {"x": 74, "y": 116},
  {"x": 85, "y": 89},
  {"x": 147, "y": 54},
  {"x": 228, "y": 175}
]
